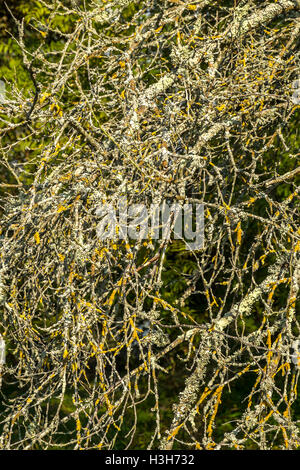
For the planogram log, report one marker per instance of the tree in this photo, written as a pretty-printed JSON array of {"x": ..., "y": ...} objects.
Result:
[
  {"x": 13, "y": 73},
  {"x": 154, "y": 102}
]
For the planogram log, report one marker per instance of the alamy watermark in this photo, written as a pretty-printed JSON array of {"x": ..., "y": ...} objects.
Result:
[{"x": 157, "y": 222}]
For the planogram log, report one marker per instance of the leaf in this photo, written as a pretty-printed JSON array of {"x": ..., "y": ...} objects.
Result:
[{"x": 37, "y": 238}]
